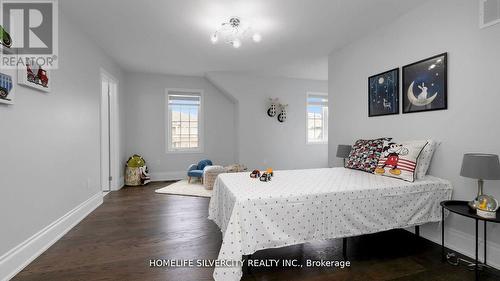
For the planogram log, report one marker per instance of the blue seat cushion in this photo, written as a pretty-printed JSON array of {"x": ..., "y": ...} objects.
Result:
[
  {"x": 203, "y": 163},
  {"x": 195, "y": 173}
]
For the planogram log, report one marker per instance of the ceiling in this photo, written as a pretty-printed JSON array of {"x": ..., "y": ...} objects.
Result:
[{"x": 173, "y": 36}]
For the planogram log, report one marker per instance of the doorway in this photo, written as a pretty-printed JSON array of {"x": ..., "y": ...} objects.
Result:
[{"x": 109, "y": 132}]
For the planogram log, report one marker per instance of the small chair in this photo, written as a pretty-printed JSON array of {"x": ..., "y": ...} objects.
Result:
[{"x": 196, "y": 171}]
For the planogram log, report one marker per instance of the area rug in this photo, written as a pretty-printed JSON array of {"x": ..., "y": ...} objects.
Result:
[{"x": 182, "y": 187}]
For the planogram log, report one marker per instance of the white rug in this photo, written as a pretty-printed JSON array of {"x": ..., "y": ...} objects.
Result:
[{"x": 182, "y": 187}]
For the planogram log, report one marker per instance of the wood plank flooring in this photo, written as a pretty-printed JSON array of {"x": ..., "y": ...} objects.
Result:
[{"x": 135, "y": 225}]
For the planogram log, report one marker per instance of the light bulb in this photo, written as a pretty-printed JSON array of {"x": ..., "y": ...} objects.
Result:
[
  {"x": 257, "y": 37},
  {"x": 214, "y": 38},
  {"x": 236, "y": 43}
]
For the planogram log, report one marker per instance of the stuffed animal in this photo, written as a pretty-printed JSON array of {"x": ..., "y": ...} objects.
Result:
[{"x": 145, "y": 177}]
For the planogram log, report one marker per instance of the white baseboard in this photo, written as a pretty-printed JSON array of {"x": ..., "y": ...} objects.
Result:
[
  {"x": 119, "y": 184},
  {"x": 168, "y": 176},
  {"x": 464, "y": 243},
  {"x": 12, "y": 262}
]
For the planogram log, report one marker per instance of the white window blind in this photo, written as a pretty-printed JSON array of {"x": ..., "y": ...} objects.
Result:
[
  {"x": 184, "y": 121},
  {"x": 317, "y": 118}
]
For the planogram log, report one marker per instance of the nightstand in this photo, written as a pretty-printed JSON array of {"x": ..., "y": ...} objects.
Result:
[{"x": 462, "y": 208}]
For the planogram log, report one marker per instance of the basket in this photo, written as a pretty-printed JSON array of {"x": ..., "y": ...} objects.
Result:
[{"x": 132, "y": 176}]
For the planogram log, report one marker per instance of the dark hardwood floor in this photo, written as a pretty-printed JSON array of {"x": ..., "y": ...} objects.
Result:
[{"x": 135, "y": 225}]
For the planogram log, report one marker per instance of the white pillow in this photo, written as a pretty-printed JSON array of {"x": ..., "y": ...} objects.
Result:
[
  {"x": 424, "y": 160},
  {"x": 399, "y": 159}
]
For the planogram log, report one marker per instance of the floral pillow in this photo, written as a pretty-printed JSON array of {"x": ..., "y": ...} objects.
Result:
[
  {"x": 365, "y": 154},
  {"x": 399, "y": 160}
]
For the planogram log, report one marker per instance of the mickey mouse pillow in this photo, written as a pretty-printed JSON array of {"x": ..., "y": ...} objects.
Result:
[{"x": 399, "y": 160}]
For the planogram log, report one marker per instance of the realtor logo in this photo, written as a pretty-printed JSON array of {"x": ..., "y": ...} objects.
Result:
[{"x": 29, "y": 33}]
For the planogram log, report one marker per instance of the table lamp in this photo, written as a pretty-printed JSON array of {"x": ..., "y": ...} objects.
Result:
[
  {"x": 482, "y": 167},
  {"x": 343, "y": 151}
]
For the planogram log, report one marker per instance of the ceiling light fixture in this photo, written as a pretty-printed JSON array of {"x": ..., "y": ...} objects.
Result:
[{"x": 233, "y": 32}]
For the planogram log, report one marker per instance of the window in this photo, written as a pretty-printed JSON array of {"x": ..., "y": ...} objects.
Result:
[
  {"x": 317, "y": 118},
  {"x": 184, "y": 132}
]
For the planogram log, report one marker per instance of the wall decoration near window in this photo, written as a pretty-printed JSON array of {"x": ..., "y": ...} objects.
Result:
[
  {"x": 34, "y": 77},
  {"x": 425, "y": 85},
  {"x": 383, "y": 93},
  {"x": 282, "y": 115},
  {"x": 6, "y": 89},
  {"x": 271, "y": 111}
]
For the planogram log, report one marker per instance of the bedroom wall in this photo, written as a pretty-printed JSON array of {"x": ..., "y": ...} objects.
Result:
[
  {"x": 146, "y": 126},
  {"x": 263, "y": 141},
  {"x": 49, "y": 173},
  {"x": 470, "y": 123}
]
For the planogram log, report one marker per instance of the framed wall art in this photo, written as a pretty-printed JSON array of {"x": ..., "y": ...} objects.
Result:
[
  {"x": 383, "y": 93},
  {"x": 425, "y": 85},
  {"x": 34, "y": 77},
  {"x": 6, "y": 89}
]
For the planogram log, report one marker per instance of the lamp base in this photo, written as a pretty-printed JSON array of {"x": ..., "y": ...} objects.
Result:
[
  {"x": 486, "y": 214},
  {"x": 473, "y": 204}
]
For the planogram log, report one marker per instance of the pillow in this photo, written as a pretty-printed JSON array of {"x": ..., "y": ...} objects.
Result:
[
  {"x": 399, "y": 160},
  {"x": 424, "y": 160},
  {"x": 365, "y": 154},
  {"x": 236, "y": 168}
]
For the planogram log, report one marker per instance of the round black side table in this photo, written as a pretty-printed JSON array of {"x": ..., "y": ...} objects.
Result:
[{"x": 462, "y": 208}]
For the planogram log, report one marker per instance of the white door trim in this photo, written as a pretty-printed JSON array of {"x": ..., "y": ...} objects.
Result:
[{"x": 110, "y": 145}]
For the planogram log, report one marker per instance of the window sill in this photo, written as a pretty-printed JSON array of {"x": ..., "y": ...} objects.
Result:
[
  {"x": 187, "y": 151},
  {"x": 316, "y": 142}
]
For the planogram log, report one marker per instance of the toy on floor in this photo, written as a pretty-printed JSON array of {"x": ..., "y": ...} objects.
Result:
[
  {"x": 145, "y": 177},
  {"x": 136, "y": 171}
]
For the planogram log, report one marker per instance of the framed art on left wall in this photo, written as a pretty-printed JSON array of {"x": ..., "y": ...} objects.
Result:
[
  {"x": 34, "y": 77},
  {"x": 383, "y": 93},
  {"x": 6, "y": 89}
]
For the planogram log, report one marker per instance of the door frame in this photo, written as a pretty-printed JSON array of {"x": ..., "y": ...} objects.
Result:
[{"x": 109, "y": 145}]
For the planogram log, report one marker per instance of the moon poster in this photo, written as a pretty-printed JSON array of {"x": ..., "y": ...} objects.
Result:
[
  {"x": 425, "y": 85},
  {"x": 383, "y": 93}
]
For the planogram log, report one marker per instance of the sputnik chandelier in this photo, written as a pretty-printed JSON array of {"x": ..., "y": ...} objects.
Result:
[{"x": 233, "y": 32}]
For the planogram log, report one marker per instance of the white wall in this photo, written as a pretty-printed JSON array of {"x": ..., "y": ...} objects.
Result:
[
  {"x": 469, "y": 125},
  {"x": 146, "y": 126},
  {"x": 262, "y": 141},
  {"x": 50, "y": 147}
]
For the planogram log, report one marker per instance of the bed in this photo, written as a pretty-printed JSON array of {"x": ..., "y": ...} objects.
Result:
[{"x": 299, "y": 206}]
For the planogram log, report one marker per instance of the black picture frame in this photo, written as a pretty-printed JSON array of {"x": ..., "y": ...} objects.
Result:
[
  {"x": 390, "y": 80},
  {"x": 432, "y": 72}
]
